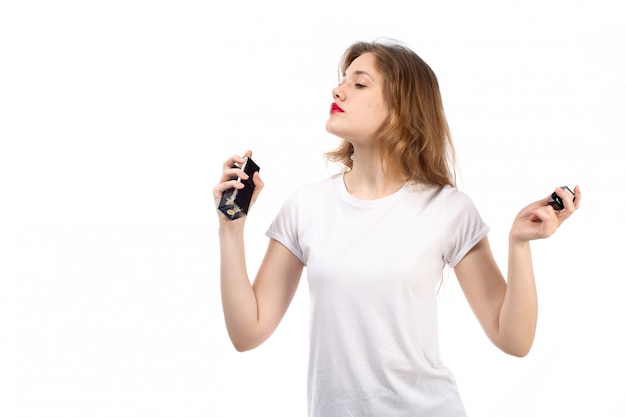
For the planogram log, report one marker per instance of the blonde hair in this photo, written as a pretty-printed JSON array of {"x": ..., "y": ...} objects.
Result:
[{"x": 415, "y": 143}]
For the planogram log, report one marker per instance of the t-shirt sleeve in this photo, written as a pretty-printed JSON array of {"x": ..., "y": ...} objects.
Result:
[
  {"x": 467, "y": 228},
  {"x": 284, "y": 227}
]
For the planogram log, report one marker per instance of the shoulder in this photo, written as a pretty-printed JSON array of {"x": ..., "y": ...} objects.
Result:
[
  {"x": 317, "y": 188},
  {"x": 445, "y": 195},
  {"x": 311, "y": 194},
  {"x": 449, "y": 204},
  {"x": 322, "y": 184},
  {"x": 457, "y": 196}
]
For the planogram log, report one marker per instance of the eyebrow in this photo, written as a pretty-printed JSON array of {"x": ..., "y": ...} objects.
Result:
[{"x": 359, "y": 72}]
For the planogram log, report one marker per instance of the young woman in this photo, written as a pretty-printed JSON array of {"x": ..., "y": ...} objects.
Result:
[{"x": 375, "y": 240}]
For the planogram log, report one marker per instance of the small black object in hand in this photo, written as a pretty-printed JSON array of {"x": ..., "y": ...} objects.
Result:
[{"x": 557, "y": 202}]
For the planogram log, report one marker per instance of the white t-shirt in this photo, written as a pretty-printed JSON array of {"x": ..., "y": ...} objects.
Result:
[{"x": 373, "y": 268}]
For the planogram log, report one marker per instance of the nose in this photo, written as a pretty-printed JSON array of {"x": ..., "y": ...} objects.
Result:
[{"x": 338, "y": 93}]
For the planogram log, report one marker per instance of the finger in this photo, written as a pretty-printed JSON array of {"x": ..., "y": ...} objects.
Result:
[
  {"x": 235, "y": 159},
  {"x": 578, "y": 195},
  {"x": 529, "y": 209},
  {"x": 231, "y": 174},
  {"x": 548, "y": 219},
  {"x": 568, "y": 201},
  {"x": 544, "y": 214},
  {"x": 571, "y": 204},
  {"x": 564, "y": 193},
  {"x": 219, "y": 189},
  {"x": 231, "y": 169},
  {"x": 258, "y": 186},
  {"x": 543, "y": 202},
  {"x": 258, "y": 183}
]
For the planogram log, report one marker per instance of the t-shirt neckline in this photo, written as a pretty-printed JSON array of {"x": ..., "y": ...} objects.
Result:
[{"x": 343, "y": 191}]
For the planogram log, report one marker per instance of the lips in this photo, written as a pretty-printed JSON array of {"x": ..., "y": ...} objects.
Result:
[{"x": 334, "y": 108}]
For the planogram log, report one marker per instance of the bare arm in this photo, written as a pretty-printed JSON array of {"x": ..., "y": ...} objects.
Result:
[
  {"x": 507, "y": 310},
  {"x": 252, "y": 311}
]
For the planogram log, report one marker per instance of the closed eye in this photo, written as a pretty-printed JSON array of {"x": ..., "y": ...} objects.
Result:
[{"x": 357, "y": 85}]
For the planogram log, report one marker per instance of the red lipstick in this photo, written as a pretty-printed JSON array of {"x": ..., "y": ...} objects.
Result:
[{"x": 334, "y": 108}]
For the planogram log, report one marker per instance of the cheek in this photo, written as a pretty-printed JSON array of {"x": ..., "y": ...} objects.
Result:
[
  {"x": 377, "y": 111},
  {"x": 382, "y": 111}
]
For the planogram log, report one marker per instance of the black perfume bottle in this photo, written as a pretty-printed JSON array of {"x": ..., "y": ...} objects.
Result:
[
  {"x": 557, "y": 202},
  {"x": 234, "y": 202}
]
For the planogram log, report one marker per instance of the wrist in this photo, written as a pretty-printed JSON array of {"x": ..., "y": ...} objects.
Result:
[
  {"x": 229, "y": 227},
  {"x": 516, "y": 241}
]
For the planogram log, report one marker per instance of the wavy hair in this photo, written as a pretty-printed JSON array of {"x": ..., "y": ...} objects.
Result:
[{"x": 415, "y": 143}]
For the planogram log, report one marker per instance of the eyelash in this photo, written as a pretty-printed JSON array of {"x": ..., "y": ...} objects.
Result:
[{"x": 357, "y": 85}]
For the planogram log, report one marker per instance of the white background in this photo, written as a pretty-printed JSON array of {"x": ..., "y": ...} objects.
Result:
[{"x": 115, "y": 117}]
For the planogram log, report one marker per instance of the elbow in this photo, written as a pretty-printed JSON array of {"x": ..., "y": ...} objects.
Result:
[
  {"x": 245, "y": 339},
  {"x": 518, "y": 353},
  {"x": 515, "y": 341},
  {"x": 242, "y": 346},
  {"x": 241, "y": 339},
  {"x": 519, "y": 350}
]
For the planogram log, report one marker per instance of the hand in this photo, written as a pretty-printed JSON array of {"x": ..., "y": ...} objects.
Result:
[
  {"x": 229, "y": 180},
  {"x": 539, "y": 220}
]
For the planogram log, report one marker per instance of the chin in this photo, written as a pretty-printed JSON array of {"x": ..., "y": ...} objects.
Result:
[
  {"x": 333, "y": 129},
  {"x": 329, "y": 126}
]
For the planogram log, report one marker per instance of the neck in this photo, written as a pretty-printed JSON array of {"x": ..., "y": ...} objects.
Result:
[{"x": 368, "y": 179}]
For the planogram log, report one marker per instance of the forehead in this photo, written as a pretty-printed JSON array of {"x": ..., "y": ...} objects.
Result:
[{"x": 363, "y": 63}]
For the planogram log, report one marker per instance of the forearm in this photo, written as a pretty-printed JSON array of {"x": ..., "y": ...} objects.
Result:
[
  {"x": 518, "y": 314},
  {"x": 238, "y": 298},
  {"x": 507, "y": 309}
]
